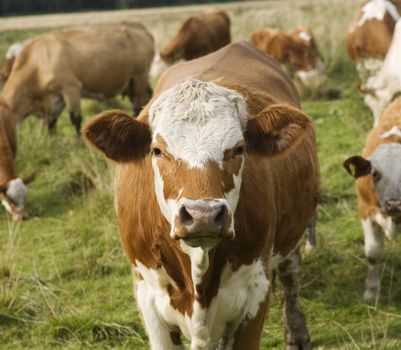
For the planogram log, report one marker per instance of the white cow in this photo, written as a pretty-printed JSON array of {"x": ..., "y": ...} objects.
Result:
[{"x": 381, "y": 88}]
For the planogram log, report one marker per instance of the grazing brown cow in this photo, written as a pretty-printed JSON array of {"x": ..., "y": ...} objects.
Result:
[
  {"x": 198, "y": 36},
  {"x": 378, "y": 174},
  {"x": 59, "y": 68},
  {"x": 296, "y": 49},
  {"x": 216, "y": 182},
  {"x": 13, "y": 189},
  {"x": 370, "y": 34}
]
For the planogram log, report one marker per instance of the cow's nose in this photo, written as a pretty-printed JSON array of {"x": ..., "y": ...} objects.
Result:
[
  {"x": 204, "y": 219},
  {"x": 392, "y": 205}
]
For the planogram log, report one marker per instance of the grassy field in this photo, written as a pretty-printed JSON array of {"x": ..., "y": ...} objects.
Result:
[{"x": 64, "y": 281}]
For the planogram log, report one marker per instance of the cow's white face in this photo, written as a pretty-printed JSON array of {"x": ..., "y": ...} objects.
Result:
[
  {"x": 384, "y": 168},
  {"x": 13, "y": 198},
  {"x": 197, "y": 157}
]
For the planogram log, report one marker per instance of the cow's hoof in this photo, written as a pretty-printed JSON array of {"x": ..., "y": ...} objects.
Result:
[
  {"x": 309, "y": 248},
  {"x": 307, "y": 346},
  {"x": 371, "y": 296}
]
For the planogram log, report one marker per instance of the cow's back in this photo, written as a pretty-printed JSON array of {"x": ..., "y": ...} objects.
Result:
[
  {"x": 236, "y": 65},
  {"x": 87, "y": 54}
]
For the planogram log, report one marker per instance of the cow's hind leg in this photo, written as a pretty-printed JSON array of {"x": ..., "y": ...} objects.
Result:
[
  {"x": 51, "y": 125},
  {"x": 311, "y": 235},
  {"x": 76, "y": 120},
  {"x": 374, "y": 250},
  {"x": 295, "y": 329}
]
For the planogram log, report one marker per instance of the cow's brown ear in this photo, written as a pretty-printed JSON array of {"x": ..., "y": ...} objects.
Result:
[
  {"x": 29, "y": 178},
  {"x": 357, "y": 166},
  {"x": 275, "y": 129},
  {"x": 119, "y": 136}
]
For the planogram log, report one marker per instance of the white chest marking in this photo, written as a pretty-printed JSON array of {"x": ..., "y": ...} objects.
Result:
[
  {"x": 394, "y": 131},
  {"x": 388, "y": 225},
  {"x": 239, "y": 297}
]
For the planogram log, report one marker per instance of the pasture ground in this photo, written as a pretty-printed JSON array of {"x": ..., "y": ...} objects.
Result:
[{"x": 64, "y": 281}]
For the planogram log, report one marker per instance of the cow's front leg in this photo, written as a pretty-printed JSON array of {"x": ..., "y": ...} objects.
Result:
[
  {"x": 161, "y": 337},
  {"x": 295, "y": 329},
  {"x": 76, "y": 120},
  {"x": 72, "y": 98},
  {"x": 248, "y": 334},
  {"x": 374, "y": 250}
]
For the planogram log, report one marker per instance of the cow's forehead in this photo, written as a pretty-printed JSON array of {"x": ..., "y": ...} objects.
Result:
[
  {"x": 387, "y": 158},
  {"x": 198, "y": 121}
]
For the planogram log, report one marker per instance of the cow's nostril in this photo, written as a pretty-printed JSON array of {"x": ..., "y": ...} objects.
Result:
[
  {"x": 185, "y": 218},
  {"x": 392, "y": 204},
  {"x": 221, "y": 216}
]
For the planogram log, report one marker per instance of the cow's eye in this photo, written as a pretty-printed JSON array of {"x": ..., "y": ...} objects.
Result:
[
  {"x": 376, "y": 176},
  {"x": 156, "y": 152},
  {"x": 239, "y": 151}
]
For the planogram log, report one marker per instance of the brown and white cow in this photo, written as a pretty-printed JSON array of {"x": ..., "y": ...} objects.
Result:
[
  {"x": 378, "y": 184},
  {"x": 370, "y": 34},
  {"x": 57, "y": 69},
  {"x": 297, "y": 50},
  {"x": 13, "y": 189},
  {"x": 198, "y": 36},
  {"x": 216, "y": 182}
]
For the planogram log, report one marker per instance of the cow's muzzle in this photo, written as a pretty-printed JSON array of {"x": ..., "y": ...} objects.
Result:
[
  {"x": 203, "y": 222},
  {"x": 393, "y": 206}
]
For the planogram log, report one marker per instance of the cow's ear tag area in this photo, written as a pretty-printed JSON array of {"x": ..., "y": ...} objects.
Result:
[
  {"x": 357, "y": 166},
  {"x": 118, "y": 136}
]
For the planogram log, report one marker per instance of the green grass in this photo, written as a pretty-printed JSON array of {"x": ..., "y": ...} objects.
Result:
[{"x": 65, "y": 282}]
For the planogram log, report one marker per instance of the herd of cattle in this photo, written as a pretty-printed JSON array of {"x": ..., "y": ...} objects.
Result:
[{"x": 217, "y": 178}]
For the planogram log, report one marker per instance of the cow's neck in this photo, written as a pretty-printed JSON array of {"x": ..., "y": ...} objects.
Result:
[
  {"x": 19, "y": 102},
  {"x": 7, "y": 155}
]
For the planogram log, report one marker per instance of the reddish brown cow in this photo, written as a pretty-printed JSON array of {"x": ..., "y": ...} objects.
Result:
[
  {"x": 370, "y": 34},
  {"x": 12, "y": 188},
  {"x": 378, "y": 174},
  {"x": 216, "y": 182},
  {"x": 198, "y": 36},
  {"x": 296, "y": 49}
]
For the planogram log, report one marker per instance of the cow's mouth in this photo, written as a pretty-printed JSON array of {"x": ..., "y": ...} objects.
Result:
[
  {"x": 202, "y": 240},
  {"x": 205, "y": 240}
]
